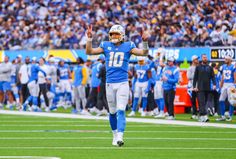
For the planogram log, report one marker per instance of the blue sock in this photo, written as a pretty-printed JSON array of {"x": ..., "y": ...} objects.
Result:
[
  {"x": 222, "y": 108},
  {"x": 162, "y": 104},
  {"x": 231, "y": 110},
  {"x": 135, "y": 103},
  {"x": 28, "y": 100},
  {"x": 121, "y": 122},
  {"x": 158, "y": 103},
  {"x": 113, "y": 121},
  {"x": 144, "y": 103},
  {"x": 68, "y": 96},
  {"x": 61, "y": 96},
  {"x": 16, "y": 95},
  {"x": 35, "y": 101}
]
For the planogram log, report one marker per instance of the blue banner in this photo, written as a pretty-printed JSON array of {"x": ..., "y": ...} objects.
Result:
[
  {"x": 30, "y": 53},
  {"x": 181, "y": 53}
]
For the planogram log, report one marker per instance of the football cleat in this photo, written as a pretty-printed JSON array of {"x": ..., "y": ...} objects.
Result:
[
  {"x": 143, "y": 114},
  {"x": 132, "y": 113},
  {"x": 120, "y": 141},
  {"x": 194, "y": 117},
  {"x": 222, "y": 118},
  {"x": 170, "y": 118},
  {"x": 160, "y": 115},
  {"x": 114, "y": 141}
]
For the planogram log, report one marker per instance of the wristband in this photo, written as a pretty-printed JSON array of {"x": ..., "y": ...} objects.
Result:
[
  {"x": 89, "y": 39},
  {"x": 145, "y": 45}
]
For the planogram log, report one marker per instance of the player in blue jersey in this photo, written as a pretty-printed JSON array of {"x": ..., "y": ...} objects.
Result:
[
  {"x": 14, "y": 87},
  {"x": 80, "y": 80},
  {"x": 117, "y": 54},
  {"x": 33, "y": 85},
  {"x": 64, "y": 80},
  {"x": 5, "y": 81},
  {"x": 140, "y": 85},
  {"x": 228, "y": 80},
  {"x": 158, "y": 91}
]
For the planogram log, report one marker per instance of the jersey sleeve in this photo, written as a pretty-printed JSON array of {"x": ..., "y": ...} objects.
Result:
[
  {"x": 102, "y": 45},
  {"x": 132, "y": 45}
]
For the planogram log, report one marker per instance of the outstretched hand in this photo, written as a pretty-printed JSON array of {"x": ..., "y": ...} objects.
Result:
[{"x": 89, "y": 31}]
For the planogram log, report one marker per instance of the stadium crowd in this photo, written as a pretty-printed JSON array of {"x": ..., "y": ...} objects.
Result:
[{"x": 61, "y": 24}]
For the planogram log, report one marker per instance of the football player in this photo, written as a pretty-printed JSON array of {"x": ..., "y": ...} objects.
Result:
[
  {"x": 64, "y": 79},
  {"x": 117, "y": 54},
  {"x": 80, "y": 80},
  {"x": 140, "y": 84},
  {"x": 228, "y": 80},
  {"x": 33, "y": 85}
]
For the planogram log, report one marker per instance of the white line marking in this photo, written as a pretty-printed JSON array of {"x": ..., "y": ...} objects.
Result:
[
  {"x": 109, "y": 138},
  {"x": 119, "y": 148},
  {"x": 136, "y": 120},
  {"x": 74, "y": 125},
  {"x": 29, "y": 157},
  {"x": 107, "y": 131}
]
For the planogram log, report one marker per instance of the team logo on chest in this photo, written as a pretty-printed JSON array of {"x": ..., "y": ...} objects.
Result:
[{"x": 109, "y": 48}]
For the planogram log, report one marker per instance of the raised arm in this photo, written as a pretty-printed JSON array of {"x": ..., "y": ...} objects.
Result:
[
  {"x": 89, "y": 49},
  {"x": 144, "y": 51}
]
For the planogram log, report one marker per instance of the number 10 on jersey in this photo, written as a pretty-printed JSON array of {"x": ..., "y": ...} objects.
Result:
[{"x": 116, "y": 59}]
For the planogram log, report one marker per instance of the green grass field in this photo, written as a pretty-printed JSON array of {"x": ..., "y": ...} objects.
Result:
[{"x": 91, "y": 139}]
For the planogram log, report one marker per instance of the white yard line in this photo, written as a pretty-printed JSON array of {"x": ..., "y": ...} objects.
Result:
[
  {"x": 118, "y": 148},
  {"x": 137, "y": 120},
  {"x": 109, "y": 138},
  {"x": 29, "y": 157},
  {"x": 108, "y": 131},
  {"x": 74, "y": 125}
]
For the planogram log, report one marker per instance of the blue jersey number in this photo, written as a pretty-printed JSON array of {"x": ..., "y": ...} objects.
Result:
[
  {"x": 116, "y": 59},
  {"x": 140, "y": 74}
]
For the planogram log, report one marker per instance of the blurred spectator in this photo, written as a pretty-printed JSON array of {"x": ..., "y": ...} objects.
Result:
[{"x": 45, "y": 24}]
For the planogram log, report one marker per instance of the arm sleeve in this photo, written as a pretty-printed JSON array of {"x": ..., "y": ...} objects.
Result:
[
  {"x": 85, "y": 76},
  {"x": 39, "y": 69},
  {"x": 101, "y": 45}
]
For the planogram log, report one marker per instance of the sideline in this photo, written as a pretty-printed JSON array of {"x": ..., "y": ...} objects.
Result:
[{"x": 136, "y": 120}]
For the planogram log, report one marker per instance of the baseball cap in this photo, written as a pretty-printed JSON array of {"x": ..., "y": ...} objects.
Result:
[
  {"x": 194, "y": 57},
  {"x": 34, "y": 58},
  {"x": 20, "y": 56},
  {"x": 171, "y": 58}
]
